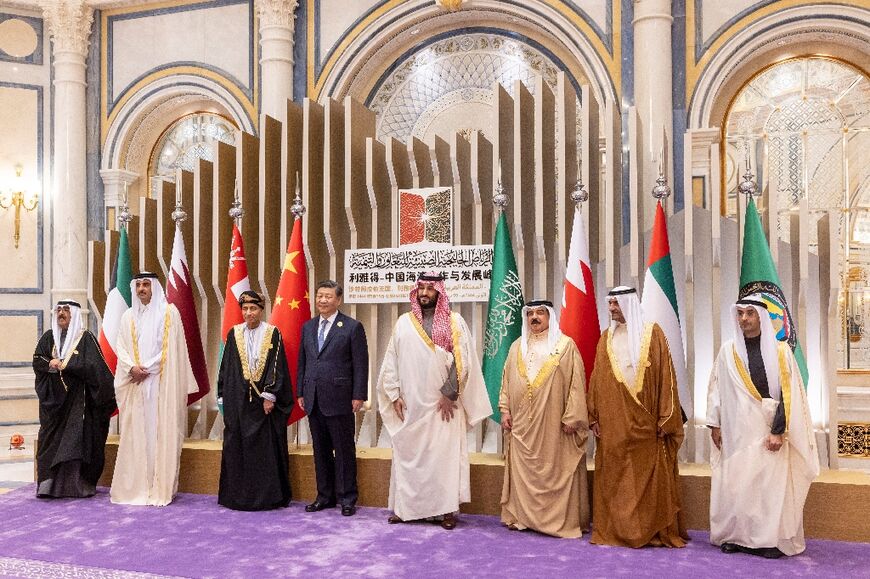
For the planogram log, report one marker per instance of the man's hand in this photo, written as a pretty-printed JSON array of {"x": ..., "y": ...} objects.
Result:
[
  {"x": 268, "y": 406},
  {"x": 568, "y": 429},
  {"x": 301, "y": 402},
  {"x": 446, "y": 407},
  {"x": 138, "y": 374},
  {"x": 399, "y": 407},
  {"x": 357, "y": 405},
  {"x": 716, "y": 435},
  {"x": 596, "y": 430},
  {"x": 55, "y": 364},
  {"x": 774, "y": 442},
  {"x": 506, "y": 421}
]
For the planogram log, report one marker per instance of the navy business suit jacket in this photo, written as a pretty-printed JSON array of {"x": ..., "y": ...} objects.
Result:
[{"x": 339, "y": 373}]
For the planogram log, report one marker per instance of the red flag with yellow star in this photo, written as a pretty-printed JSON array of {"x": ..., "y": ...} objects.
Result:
[{"x": 291, "y": 307}]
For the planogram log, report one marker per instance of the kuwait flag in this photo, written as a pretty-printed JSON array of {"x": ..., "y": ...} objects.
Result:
[
  {"x": 504, "y": 320},
  {"x": 179, "y": 292},
  {"x": 579, "y": 318},
  {"x": 291, "y": 308},
  {"x": 117, "y": 303},
  {"x": 758, "y": 276},
  {"x": 237, "y": 282},
  {"x": 659, "y": 303}
]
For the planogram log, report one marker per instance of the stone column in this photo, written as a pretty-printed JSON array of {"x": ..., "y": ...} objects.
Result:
[
  {"x": 116, "y": 183},
  {"x": 69, "y": 24},
  {"x": 277, "y": 24},
  {"x": 652, "y": 92}
]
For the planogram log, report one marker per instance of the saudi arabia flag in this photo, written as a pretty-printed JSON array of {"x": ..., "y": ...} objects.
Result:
[
  {"x": 758, "y": 276},
  {"x": 659, "y": 304},
  {"x": 504, "y": 322}
]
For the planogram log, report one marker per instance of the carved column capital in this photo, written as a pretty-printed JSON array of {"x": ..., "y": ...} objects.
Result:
[
  {"x": 69, "y": 24},
  {"x": 277, "y": 12}
]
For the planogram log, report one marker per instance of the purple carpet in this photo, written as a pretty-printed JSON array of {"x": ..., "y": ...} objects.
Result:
[{"x": 194, "y": 537}]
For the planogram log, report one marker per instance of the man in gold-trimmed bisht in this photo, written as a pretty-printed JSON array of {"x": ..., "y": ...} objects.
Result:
[
  {"x": 634, "y": 413},
  {"x": 543, "y": 414},
  {"x": 76, "y": 399},
  {"x": 764, "y": 454},
  {"x": 430, "y": 393},
  {"x": 152, "y": 381},
  {"x": 256, "y": 396}
]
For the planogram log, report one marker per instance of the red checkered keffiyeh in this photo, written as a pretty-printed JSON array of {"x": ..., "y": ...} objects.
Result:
[{"x": 442, "y": 333}]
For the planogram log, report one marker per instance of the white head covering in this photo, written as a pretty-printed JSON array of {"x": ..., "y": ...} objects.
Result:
[
  {"x": 769, "y": 343},
  {"x": 553, "y": 333},
  {"x": 629, "y": 303},
  {"x": 75, "y": 328},
  {"x": 149, "y": 319}
]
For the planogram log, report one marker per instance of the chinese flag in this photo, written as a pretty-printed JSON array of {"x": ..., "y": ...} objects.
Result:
[{"x": 291, "y": 308}]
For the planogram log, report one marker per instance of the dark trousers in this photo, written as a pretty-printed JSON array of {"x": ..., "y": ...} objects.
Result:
[{"x": 334, "y": 457}]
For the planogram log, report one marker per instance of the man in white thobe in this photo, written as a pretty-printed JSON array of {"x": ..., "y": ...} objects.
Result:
[
  {"x": 152, "y": 381},
  {"x": 430, "y": 393},
  {"x": 764, "y": 453}
]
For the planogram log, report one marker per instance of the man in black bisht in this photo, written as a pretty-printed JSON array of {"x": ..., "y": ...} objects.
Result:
[
  {"x": 76, "y": 399},
  {"x": 254, "y": 389}
]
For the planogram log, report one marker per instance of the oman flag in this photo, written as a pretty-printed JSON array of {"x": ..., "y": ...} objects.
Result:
[
  {"x": 659, "y": 304},
  {"x": 579, "y": 318},
  {"x": 117, "y": 303},
  {"x": 291, "y": 308},
  {"x": 179, "y": 292},
  {"x": 237, "y": 282}
]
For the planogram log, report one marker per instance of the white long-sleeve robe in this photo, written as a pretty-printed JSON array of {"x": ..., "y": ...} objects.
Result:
[
  {"x": 152, "y": 417},
  {"x": 430, "y": 470},
  {"x": 757, "y": 496}
]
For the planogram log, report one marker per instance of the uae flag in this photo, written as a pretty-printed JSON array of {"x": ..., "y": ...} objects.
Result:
[
  {"x": 179, "y": 291},
  {"x": 758, "y": 276},
  {"x": 579, "y": 318},
  {"x": 659, "y": 304},
  {"x": 117, "y": 303},
  {"x": 504, "y": 320},
  {"x": 291, "y": 308},
  {"x": 237, "y": 282}
]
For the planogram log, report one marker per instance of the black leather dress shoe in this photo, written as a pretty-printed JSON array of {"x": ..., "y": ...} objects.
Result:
[
  {"x": 318, "y": 506},
  {"x": 348, "y": 510},
  {"x": 729, "y": 548}
]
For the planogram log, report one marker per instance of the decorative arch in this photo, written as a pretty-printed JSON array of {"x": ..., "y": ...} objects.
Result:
[
  {"x": 151, "y": 109},
  {"x": 822, "y": 29},
  {"x": 368, "y": 55}
]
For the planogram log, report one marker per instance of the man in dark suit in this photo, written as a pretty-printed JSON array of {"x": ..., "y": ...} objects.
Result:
[{"x": 333, "y": 384}]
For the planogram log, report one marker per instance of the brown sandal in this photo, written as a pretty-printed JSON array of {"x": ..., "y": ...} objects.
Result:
[
  {"x": 448, "y": 522},
  {"x": 393, "y": 519}
]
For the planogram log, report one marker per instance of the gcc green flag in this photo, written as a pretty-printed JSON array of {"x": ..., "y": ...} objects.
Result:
[
  {"x": 504, "y": 322},
  {"x": 758, "y": 276}
]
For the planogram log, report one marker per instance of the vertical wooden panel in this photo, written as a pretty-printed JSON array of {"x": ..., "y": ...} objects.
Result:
[
  {"x": 224, "y": 189},
  {"x": 272, "y": 196},
  {"x": 545, "y": 190},
  {"x": 566, "y": 170},
  {"x": 421, "y": 163},
  {"x": 148, "y": 259},
  {"x": 591, "y": 171},
  {"x": 335, "y": 225},
  {"x": 482, "y": 174},
  {"x": 112, "y": 239},
  {"x": 97, "y": 279},
  {"x": 442, "y": 170},
  {"x": 464, "y": 215},
  {"x": 636, "y": 193},
  {"x": 133, "y": 228},
  {"x": 401, "y": 177},
  {"x": 184, "y": 194},
  {"x": 202, "y": 265},
  {"x": 503, "y": 141},
  {"x": 523, "y": 192},
  {"x": 312, "y": 191},
  {"x": 292, "y": 143},
  {"x": 248, "y": 167},
  {"x": 165, "y": 226}
]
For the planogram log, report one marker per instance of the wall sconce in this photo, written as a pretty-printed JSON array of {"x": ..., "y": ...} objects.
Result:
[{"x": 17, "y": 200}]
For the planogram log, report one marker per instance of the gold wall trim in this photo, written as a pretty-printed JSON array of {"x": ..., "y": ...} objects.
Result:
[{"x": 853, "y": 439}]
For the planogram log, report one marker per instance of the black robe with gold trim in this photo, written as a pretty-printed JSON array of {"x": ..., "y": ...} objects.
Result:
[
  {"x": 255, "y": 465},
  {"x": 75, "y": 404}
]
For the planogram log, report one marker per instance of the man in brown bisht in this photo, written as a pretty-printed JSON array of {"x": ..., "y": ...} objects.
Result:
[
  {"x": 543, "y": 413},
  {"x": 634, "y": 412}
]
